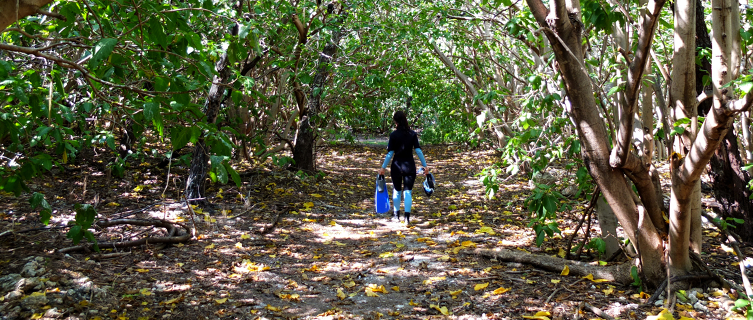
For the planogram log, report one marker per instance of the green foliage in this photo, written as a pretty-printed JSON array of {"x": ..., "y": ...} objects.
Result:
[
  {"x": 85, "y": 216},
  {"x": 637, "y": 282},
  {"x": 543, "y": 205},
  {"x": 37, "y": 200}
]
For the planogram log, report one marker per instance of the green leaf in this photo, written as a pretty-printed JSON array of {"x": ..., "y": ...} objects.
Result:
[
  {"x": 614, "y": 90},
  {"x": 150, "y": 109},
  {"x": 38, "y": 200},
  {"x": 233, "y": 174},
  {"x": 156, "y": 33},
  {"x": 102, "y": 51},
  {"x": 180, "y": 137},
  {"x": 218, "y": 169},
  {"x": 75, "y": 234},
  {"x": 85, "y": 215},
  {"x": 745, "y": 87},
  {"x": 741, "y": 303}
]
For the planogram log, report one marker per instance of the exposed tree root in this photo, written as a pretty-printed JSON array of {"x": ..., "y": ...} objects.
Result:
[
  {"x": 619, "y": 273},
  {"x": 171, "y": 227}
]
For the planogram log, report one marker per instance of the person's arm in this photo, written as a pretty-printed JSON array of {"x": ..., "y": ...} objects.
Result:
[
  {"x": 386, "y": 161},
  {"x": 421, "y": 157}
]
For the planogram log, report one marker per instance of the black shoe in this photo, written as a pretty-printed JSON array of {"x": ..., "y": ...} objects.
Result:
[
  {"x": 407, "y": 217},
  {"x": 396, "y": 216}
]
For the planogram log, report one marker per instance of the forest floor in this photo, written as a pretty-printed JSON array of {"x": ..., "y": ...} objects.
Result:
[{"x": 284, "y": 246}]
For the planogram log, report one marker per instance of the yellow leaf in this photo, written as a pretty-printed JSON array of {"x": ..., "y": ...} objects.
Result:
[
  {"x": 663, "y": 315},
  {"x": 316, "y": 195},
  {"x": 500, "y": 290},
  {"x": 556, "y": 281},
  {"x": 487, "y": 230},
  {"x": 399, "y": 245},
  {"x": 271, "y": 308},
  {"x": 333, "y": 223},
  {"x": 591, "y": 277},
  {"x": 541, "y": 315},
  {"x": 239, "y": 245},
  {"x": 386, "y": 254},
  {"x": 481, "y": 286},
  {"x": 37, "y": 316},
  {"x": 349, "y": 284},
  {"x": 142, "y": 270},
  {"x": 396, "y": 288},
  {"x": 211, "y": 246},
  {"x": 608, "y": 291},
  {"x": 443, "y": 310},
  {"x": 411, "y": 303},
  {"x": 452, "y": 207},
  {"x": 341, "y": 294},
  {"x": 456, "y": 292},
  {"x": 245, "y": 236},
  {"x": 83, "y": 303},
  {"x": 113, "y": 204},
  {"x": 313, "y": 268},
  {"x": 308, "y": 205},
  {"x": 561, "y": 253},
  {"x": 340, "y": 243},
  {"x": 145, "y": 292},
  {"x": 566, "y": 271},
  {"x": 468, "y": 244}
]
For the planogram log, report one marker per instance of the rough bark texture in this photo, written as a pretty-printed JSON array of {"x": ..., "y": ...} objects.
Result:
[
  {"x": 729, "y": 182},
  {"x": 9, "y": 13},
  {"x": 195, "y": 184},
  {"x": 304, "y": 154}
]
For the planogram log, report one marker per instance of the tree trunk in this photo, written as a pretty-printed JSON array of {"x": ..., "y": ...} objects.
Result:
[
  {"x": 195, "y": 184},
  {"x": 304, "y": 154},
  {"x": 730, "y": 184},
  {"x": 9, "y": 13}
]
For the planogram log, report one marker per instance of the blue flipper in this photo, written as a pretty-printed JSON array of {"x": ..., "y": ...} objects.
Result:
[{"x": 381, "y": 196}]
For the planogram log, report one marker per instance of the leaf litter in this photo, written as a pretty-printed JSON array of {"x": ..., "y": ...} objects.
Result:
[{"x": 329, "y": 256}]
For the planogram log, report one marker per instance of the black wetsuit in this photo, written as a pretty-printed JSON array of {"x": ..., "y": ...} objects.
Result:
[{"x": 403, "y": 168}]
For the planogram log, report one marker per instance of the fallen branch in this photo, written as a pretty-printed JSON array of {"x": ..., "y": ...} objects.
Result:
[
  {"x": 619, "y": 273},
  {"x": 595, "y": 310},
  {"x": 169, "y": 226}
]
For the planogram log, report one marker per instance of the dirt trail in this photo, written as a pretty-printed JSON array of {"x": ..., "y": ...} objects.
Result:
[{"x": 329, "y": 255}]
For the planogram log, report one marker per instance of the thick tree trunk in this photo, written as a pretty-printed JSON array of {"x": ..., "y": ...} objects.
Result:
[
  {"x": 304, "y": 153},
  {"x": 564, "y": 30},
  {"x": 195, "y": 184},
  {"x": 10, "y": 13}
]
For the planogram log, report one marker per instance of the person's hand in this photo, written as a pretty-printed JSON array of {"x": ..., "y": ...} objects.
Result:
[
  {"x": 426, "y": 170},
  {"x": 381, "y": 171}
]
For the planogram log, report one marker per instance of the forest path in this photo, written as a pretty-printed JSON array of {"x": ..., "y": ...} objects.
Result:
[{"x": 328, "y": 256}]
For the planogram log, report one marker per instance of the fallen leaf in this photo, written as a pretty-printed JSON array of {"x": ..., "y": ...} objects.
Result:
[
  {"x": 142, "y": 270},
  {"x": 341, "y": 294},
  {"x": 591, "y": 277},
  {"x": 411, "y": 303},
  {"x": 663, "y": 315},
  {"x": 245, "y": 236},
  {"x": 271, "y": 308},
  {"x": 608, "y": 291},
  {"x": 541, "y": 315},
  {"x": 556, "y": 281},
  {"x": 211, "y": 246},
  {"x": 443, "y": 310},
  {"x": 500, "y": 290},
  {"x": 565, "y": 271},
  {"x": 349, "y": 284},
  {"x": 481, "y": 286},
  {"x": 396, "y": 288},
  {"x": 145, "y": 291},
  {"x": 487, "y": 230},
  {"x": 220, "y": 301}
]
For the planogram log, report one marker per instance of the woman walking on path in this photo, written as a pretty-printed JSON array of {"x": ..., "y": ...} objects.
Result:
[{"x": 403, "y": 169}]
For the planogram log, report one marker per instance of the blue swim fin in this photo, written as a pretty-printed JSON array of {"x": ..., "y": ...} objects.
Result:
[{"x": 381, "y": 196}]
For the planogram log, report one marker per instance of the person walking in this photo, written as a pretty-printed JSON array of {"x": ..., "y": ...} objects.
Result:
[{"x": 403, "y": 169}]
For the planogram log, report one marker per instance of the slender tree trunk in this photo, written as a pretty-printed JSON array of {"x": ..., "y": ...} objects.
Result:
[
  {"x": 683, "y": 99},
  {"x": 730, "y": 185},
  {"x": 195, "y": 184}
]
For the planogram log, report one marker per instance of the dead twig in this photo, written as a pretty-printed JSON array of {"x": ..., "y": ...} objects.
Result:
[
  {"x": 595, "y": 310},
  {"x": 586, "y": 213},
  {"x": 169, "y": 226}
]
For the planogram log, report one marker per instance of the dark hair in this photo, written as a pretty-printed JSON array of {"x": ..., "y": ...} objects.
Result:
[{"x": 401, "y": 120}]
